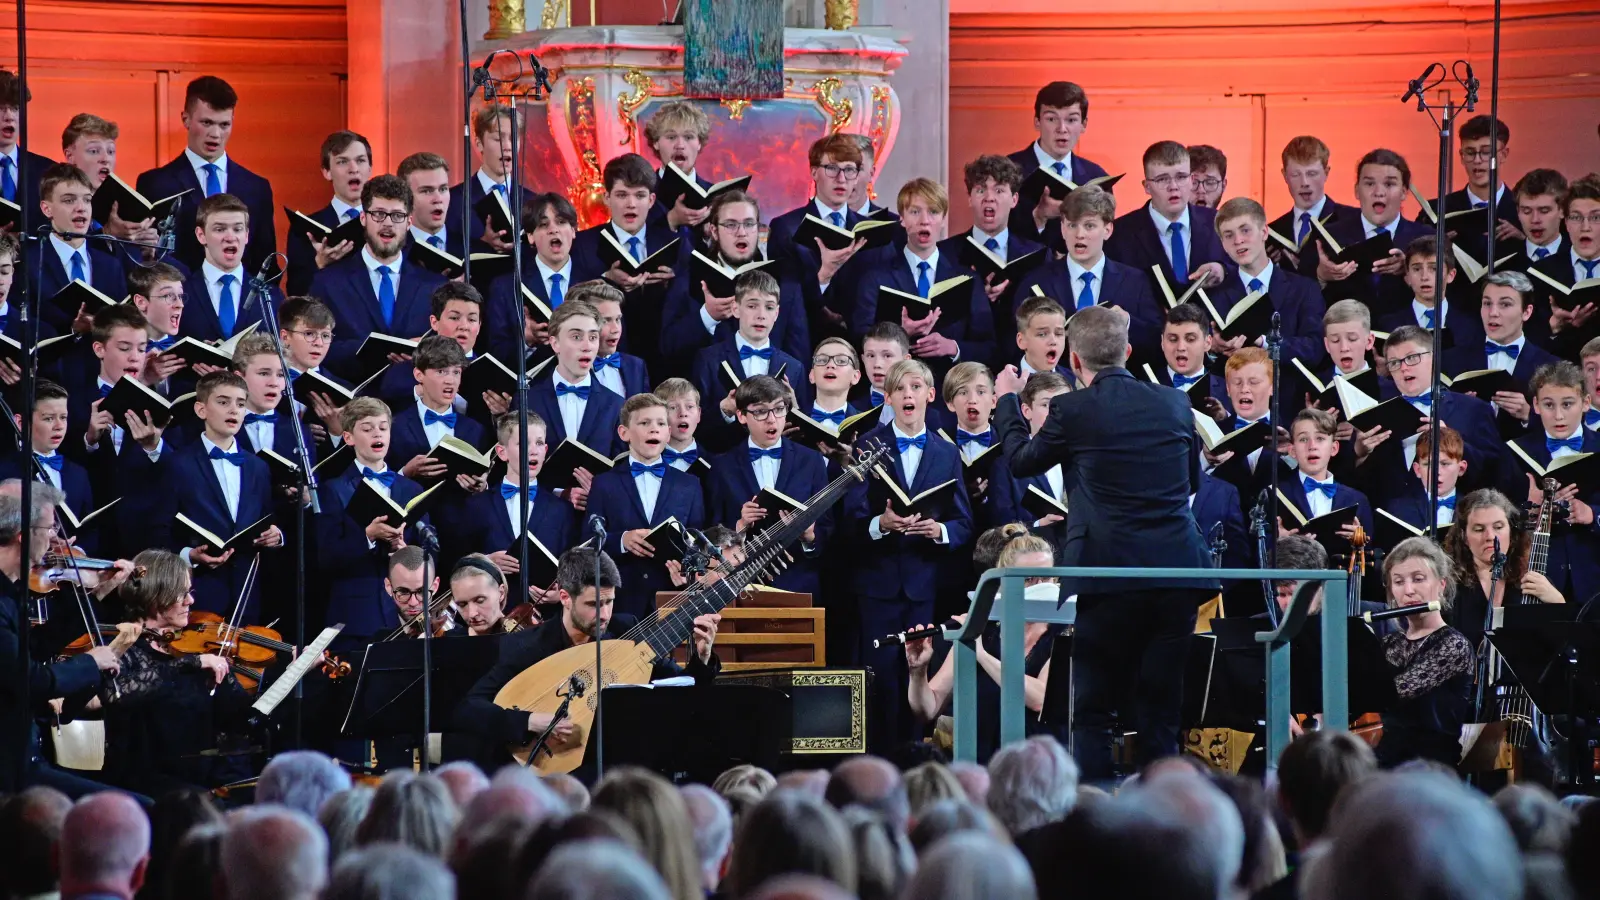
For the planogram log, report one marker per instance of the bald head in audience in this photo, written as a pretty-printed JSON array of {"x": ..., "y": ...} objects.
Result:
[
  {"x": 104, "y": 847},
  {"x": 974, "y": 780},
  {"x": 273, "y": 853},
  {"x": 873, "y": 783},
  {"x": 713, "y": 831},
  {"x": 464, "y": 780},
  {"x": 30, "y": 825}
]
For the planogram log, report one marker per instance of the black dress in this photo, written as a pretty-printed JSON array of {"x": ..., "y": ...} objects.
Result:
[
  {"x": 1433, "y": 681},
  {"x": 165, "y": 717},
  {"x": 989, "y": 691}
]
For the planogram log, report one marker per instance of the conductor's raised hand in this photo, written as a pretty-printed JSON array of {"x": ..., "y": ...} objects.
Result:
[{"x": 1009, "y": 381}]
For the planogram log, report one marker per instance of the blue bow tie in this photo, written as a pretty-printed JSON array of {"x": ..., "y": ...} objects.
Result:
[
  {"x": 1490, "y": 348},
  {"x": 614, "y": 361},
  {"x": 236, "y": 458},
  {"x": 1314, "y": 485},
  {"x": 747, "y": 351},
  {"x": 876, "y": 397},
  {"x": 964, "y": 438},
  {"x": 1572, "y": 443},
  {"x": 902, "y": 443},
  {"x": 581, "y": 392},
  {"x": 386, "y": 478},
  {"x": 1447, "y": 503},
  {"x": 836, "y": 418},
  {"x": 430, "y": 417},
  {"x": 1182, "y": 381},
  {"x": 53, "y": 461},
  {"x": 165, "y": 343},
  {"x": 1242, "y": 422},
  {"x": 690, "y": 456},
  {"x": 659, "y": 470},
  {"x": 757, "y": 453},
  {"x": 1423, "y": 402},
  {"x": 509, "y": 490},
  {"x": 251, "y": 418}
]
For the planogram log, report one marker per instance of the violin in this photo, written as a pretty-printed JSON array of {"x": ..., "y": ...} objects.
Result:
[
  {"x": 66, "y": 568},
  {"x": 521, "y": 616},
  {"x": 86, "y": 642},
  {"x": 249, "y": 649},
  {"x": 441, "y": 615},
  {"x": 1367, "y": 726}
]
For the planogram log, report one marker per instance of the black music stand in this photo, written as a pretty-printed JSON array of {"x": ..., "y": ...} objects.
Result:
[
  {"x": 387, "y": 701},
  {"x": 1371, "y": 681},
  {"x": 692, "y": 734},
  {"x": 1559, "y": 665}
]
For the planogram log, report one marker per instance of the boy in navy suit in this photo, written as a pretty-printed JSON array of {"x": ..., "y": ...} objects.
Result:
[
  {"x": 1305, "y": 173},
  {"x": 748, "y": 353},
  {"x": 884, "y": 345},
  {"x": 993, "y": 183},
  {"x": 90, "y": 143},
  {"x": 1313, "y": 491},
  {"x": 1475, "y": 152},
  {"x": 550, "y": 224},
  {"x": 1169, "y": 231},
  {"x": 1558, "y": 397},
  {"x": 1540, "y": 194},
  {"x": 112, "y": 451},
  {"x": 896, "y": 574},
  {"x": 1060, "y": 116},
  {"x": 221, "y": 488},
  {"x": 1462, "y": 327},
  {"x": 639, "y": 494},
  {"x": 1411, "y": 506},
  {"x": 218, "y": 286},
  {"x": 1042, "y": 337},
  {"x": 968, "y": 391},
  {"x": 622, "y": 373},
  {"x": 206, "y": 168},
  {"x": 354, "y": 554},
  {"x": 12, "y": 95},
  {"x": 255, "y": 360},
  {"x": 861, "y": 194},
  {"x": 306, "y": 329},
  {"x": 573, "y": 406},
  {"x": 455, "y": 312},
  {"x": 826, "y": 275},
  {"x": 1009, "y": 490},
  {"x": 157, "y": 293},
  {"x": 1208, "y": 175},
  {"x": 835, "y": 371},
  {"x": 347, "y": 165},
  {"x": 428, "y": 176},
  {"x": 50, "y": 419},
  {"x": 1590, "y": 358},
  {"x": 64, "y": 198},
  {"x": 1088, "y": 275},
  {"x": 683, "y": 418},
  {"x": 1184, "y": 339},
  {"x": 491, "y": 140},
  {"x": 431, "y": 417},
  {"x": 958, "y": 324},
  {"x": 1381, "y": 180},
  {"x": 1572, "y": 328},
  {"x": 1249, "y": 384},
  {"x": 676, "y": 132},
  {"x": 767, "y": 462},
  {"x": 1505, "y": 309},
  {"x": 377, "y": 289},
  {"x": 1242, "y": 227}
]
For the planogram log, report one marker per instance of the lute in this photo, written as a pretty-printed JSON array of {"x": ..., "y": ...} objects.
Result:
[
  {"x": 1516, "y": 707},
  {"x": 629, "y": 659}
]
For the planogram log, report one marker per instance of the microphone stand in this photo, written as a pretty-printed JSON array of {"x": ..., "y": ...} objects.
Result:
[
  {"x": 259, "y": 288},
  {"x": 1497, "y": 568},
  {"x": 1258, "y": 528},
  {"x": 470, "y": 81},
  {"x": 1494, "y": 143},
  {"x": 574, "y": 688},
  {"x": 429, "y": 539},
  {"x": 599, "y": 529},
  {"x": 1275, "y": 351}
]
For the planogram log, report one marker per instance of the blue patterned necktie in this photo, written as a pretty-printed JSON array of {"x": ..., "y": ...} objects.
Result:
[
  {"x": 1589, "y": 266},
  {"x": 633, "y": 248},
  {"x": 688, "y": 457},
  {"x": 270, "y": 418},
  {"x": 386, "y": 295},
  {"x": 78, "y": 272},
  {"x": 8, "y": 180},
  {"x": 509, "y": 490},
  {"x": 429, "y": 417},
  {"x": 386, "y": 478},
  {"x": 213, "y": 178},
  {"x": 1311, "y": 484},
  {"x": 838, "y": 418},
  {"x": 1305, "y": 227},
  {"x": 837, "y": 218},
  {"x": 1428, "y": 318},
  {"x": 902, "y": 444},
  {"x": 991, "y": 245},
  {"x": 1490, "y": 348},
  {"x": 556, "y": 294},
  {"x": 1574, "y": 443},
  {"x": 105, "y": 391},
  {"x": 659, "y": 469},
  {"x": 563, "y": 389},
  {"x": 53, "y": 460},
  {"x": 1447, "y": 503},
  {"x": 748, "y": 351},
  {"x": 924, "y": 285},
  {"x": 1254, "y": 286},
  {"x": 352, "y": 212},
  {"x": 227, "y": 316},
  {"x": 964, "y": 438},
  {"x": 1086, "y": 296},
  {"x": 161, "y": 344},
  {"x": 236, "y": 457},
  {"x": 1180, "y": 256},
  {"x": 614, "y": 361},
  {"x": 774, "y": 452},
  {"x": 1181, "y": 381},
  {"x": 436, "y": 242}
]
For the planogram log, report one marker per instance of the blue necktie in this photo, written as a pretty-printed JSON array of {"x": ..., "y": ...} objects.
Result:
[
  {"x": 659, "y": 470},
  {"x": 160, "y": 343},
  {"x": 1490, "y": 348},
  {"x": 78, "y": 274},
  {"x": 8, "y": 181},
  {"x": 1428, "y": 319},
  {"x": 1180, "y": 256},
  {"x": 633, "y": 248},
  {"x": 227, "y": 317},
  {"x": 386, "y": 295},
  {"x": 53, "y": 460},
  {"x": 991, "y": 245},
  {"x": 837, "y": 219},
  {"x": 270, "y": 418},
  {"x": 1373, "y": 277},
  {"x": 1588, "y": 267},
  {"x": 964, "y": 438},
  {"x": 1181, "y": 381},
  {"x": 1479, "y": 204},
  {"x": 1305, "y": 228},
  {"x": 213, "y": 180},
  {"x": 1086, "y": 296},
  {"x": 689, "y": 457},
  {"x": 236, "y": 458},
  {"x": 901, "y": 444},
  {"x": 429, "y": 417},
  {"x": 1312, "y": 484},
  {"x": 509, "y": 490},
  {"x": 838, "y": 418},
  {"x": 1572, "y": 443},
  {"x": 105, "y": 391},
  {"x": 385, "y": 478},
  {"x": 556, "y": 294},
  {"x": 614, "y": 361},
  {"x": 756, "y": 453},
  {"x": 923, "y": 284},
  {"x": 875, "y": 397},
  {"x": 581, "y": 392},
  {"x": 1254, "y": 286},
  {"x": 498, "y": 189},
  {"x": 436, "y": 242},
  {"x": 1541, "y": 253},
  {"x": 748, "y": 351},
  {"x": 1447, "y": 503},
  {"x": 1060, "y": 167},
  {"x": 352, "y": 212},
  {"x": 1591, "y": 419}
]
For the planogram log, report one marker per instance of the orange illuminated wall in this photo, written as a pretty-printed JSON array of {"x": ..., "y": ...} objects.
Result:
[
  {"x": 1247, "y": 75},
  {"x": 129, "y": 61}
]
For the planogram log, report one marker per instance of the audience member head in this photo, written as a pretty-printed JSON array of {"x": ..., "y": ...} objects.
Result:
[
  {"x": 800, "y": 887},
  {"x": 104, "y": 846},
  {"x": 389, "y": 872},
  {"x": 273, "y": 853},
  {"x": 972, "y": 866},
  {"x": 463, "y": 779},
  {"x": 713, "y": 831},
  {"x": 340, "y": 818},
  {"x": 945, "y": 817},
  {"x": 513, "y": 791},
  {"x": 481, "y": 861},
  {"x": 1189, "y": 799},
  {"x": 929, "y": 783},
  {"x": 1032, "y": 783},
  {"x": 1312, "y": 773},
  {"x": 302, "y": 780},
  {"x": 30, "y": 825},
  {"x": 811, "y": 781},
  {"x": 596, "y": 870},
  {"x": 870, "y": 782},
  {"x": 553, "y": 834},
  {"x": 658, "y": 813},
  {"x": 790, "y": 831},
  {"x": 175, "y": 813},
  {"x": 974, "y": 780},
  {"x": 884, "y": 859},
  {"x": 1538, "y": 821},
  {"x": 414, "y": 810},
  {"x": 569, "y": 789},
  {"x": 1263, "y": 861},
  {"x": 753, "y": 777},
  {"x": 196, "y": 865}
]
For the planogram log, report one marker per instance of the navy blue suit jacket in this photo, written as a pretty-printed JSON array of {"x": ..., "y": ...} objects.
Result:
[
  {"x": 303, "y": 256},
  {"x": 200, "y": 317},
  {"x": 1391, "y": 292},
  {"x": 781, "y": 245},
  {"x": 683, "y": 334},
  {"x": 1000, "y": 310},
  {"x": 1385, "y": 474},
  {"x": 1007, "y": 491},
  {"x": 1471, "y": 357},
  {"x": 1297, "y": 299},
  {"x": 1135, "y": 242},
  {"x": 27, "y": 195},
  {"x": 1463, "y": 326},
  {"x": 801, "y": 473},
  {"x": 1081, "y": 170},
  {"x": 708, "y": 380},
  {"x": 1124, "y": 286},
  {"x": 1569, "y": 342},
  {"x": 1343, "y": 495},
  {"x": 408, "y": 439},
  {"x": 79, "y": 491},
  {"x": 1287, "y": 223},
  {"x": 601, "y": 413},
  {"x": 282, "y": 437},
  {"x": 189, "y": 485},
  {"x": 1411, "y": 506},
  {"x": 353, "y": 571},
  {"x": 479, "y": 523},
  {"x": 1476, "y": 244},
  {"x": 457, "y": 202},
  {"x": 1216, "y": 502},
  {"x": 106, "y": 275},
  {"x": 644, "y": 310},
  {"x": 1574, "y": 562},
  {"x": 346, "y": 286},
  {"x": 255, "y": 191},
  {"x": 964, "y": 315},
  {"x": 900, "y": 566},
  {"x": 614, "y": 498}
]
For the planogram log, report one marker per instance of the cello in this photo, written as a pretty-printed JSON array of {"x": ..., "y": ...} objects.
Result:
[{"x": 1367, "y": 726}]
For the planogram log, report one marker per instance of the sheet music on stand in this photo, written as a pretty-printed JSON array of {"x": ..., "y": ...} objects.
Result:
[{"x": 308, "y": 659}]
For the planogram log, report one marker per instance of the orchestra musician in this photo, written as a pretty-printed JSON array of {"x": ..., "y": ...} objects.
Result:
[
  {"x": 1482, "y": 518},
  {"x": 478, "y": 590},
  {"x": 404, "y": 583},
  {"x": 1433, "y": 662}
]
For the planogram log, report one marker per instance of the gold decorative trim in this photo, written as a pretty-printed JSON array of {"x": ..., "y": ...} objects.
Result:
[
  {"x": 507, "y": 18},
  {"x": 736, "y": 108},
  {"x": 587, "y": 191},
  {"x": 557, "y": 14},
  {"x": 628, "y": 104},
  {"x": 856, "y": 681},
  {"x": 840, "y": 110},
  {"x": 878, "y": 131}
]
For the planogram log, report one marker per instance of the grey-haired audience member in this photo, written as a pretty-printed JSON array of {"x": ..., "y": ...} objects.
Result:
[
  {"x": 30, "y": 825},
  {"x": 273, "y": 853},
  {"x": 302, "y": 780},
  {"x": 972, "y": 866},
  {"x": 340, "y": 818},
  {"x": 389, "y": 872},
  {"x": 713, "y": 831},
  {"x": 947, "y": 817},
  {"x": 464, "y": 780},
  {"x": 1032, "y": 783},
  {"x": 974, "y": 780},
  {"x": 596, "y": 870}
]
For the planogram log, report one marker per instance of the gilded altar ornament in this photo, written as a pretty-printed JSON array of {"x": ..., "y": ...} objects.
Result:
[
  {"x": 628, "y": 104},
  {"x": 587, "y": 191},
  {"x": 736, "y": 108},
  {"x": 839, "y": 109},
  {"x": 878, "y": 130},
  {"x": 841, "y": 14},
  {"x": 506, "y": 19},
  {"x": 557, "y": 14}
]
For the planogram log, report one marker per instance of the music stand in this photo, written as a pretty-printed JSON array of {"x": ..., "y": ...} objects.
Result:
[
  {"x": 388, "y": 695},
  {"x": 1371, "y": 676},
  {"x": 1559, "y": 665},
  {"x": 692, "y": 734}
]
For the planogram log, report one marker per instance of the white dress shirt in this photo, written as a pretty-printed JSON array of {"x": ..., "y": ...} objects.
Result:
[
  {"x": 1371, "y": 230},
  {"x": 1317, "y": 502},
  {"x": 374, "y": 483},
  {"x": 571, "y": 405},
  {"x": 648, "y": 486},
  {"x": 611, "y": 378},
  {"x": 682, "y": 465},
  {"x": 1075, "y": 274},
  {"x": 1046, "y": 161},
  {"x": 1579, "y": 270},
  {"x": 372, "y": 263},
  {"x": 1563, "y": 451},
  {"x": 766, "y": 468},
  {"x": 199, "y": 163},
  {"x": 514, "y": 509},
  {"x": 261, "y": 433},
  {"x": 213, "y": 276},
  {"x": 1409, "y": 443},
  {"x": 1503, "y": 361},
  {"x": 623, "y": 238},
  {"x": 565, "y": 272},
  {"x": 421, "y": 236},
  {"x": 438, "y": 430},
  {"x": 972, "y": 448},
  {"x": 1532, "y": 249},
  {"x": 65, "y": 251},
  {"x": 1002, "y": 240},
  {"x": 1164, "y": 231},
  {"x": 53, "y": 475},
  {"x": 1264, "y": 276},
  {"x": 1444, "y": 515},
  {"x": 825, "y": 212},
  {"x": 1057, "y": 482},
  {"x": 1417, "y": 310},
  {"x": 755, "y": 365},
  {"x": 910, "y": 460},
  {"x": 228, "y": 475},
  {"x": 915, "y": 262}
]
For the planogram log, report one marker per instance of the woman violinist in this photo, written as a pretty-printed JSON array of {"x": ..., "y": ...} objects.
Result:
[
  {"x": 1484, "y": 518},
  {"x": 1433, "y": 662}
]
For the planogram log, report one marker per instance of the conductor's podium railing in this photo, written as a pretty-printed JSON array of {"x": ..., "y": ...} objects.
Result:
[{"x": 1013, "y": 610}]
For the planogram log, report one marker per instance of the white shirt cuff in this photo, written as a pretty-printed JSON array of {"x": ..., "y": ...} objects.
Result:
[
  {"x": 944, "y": 535},
  {"x": 184, "y": 555},
  {"x": 875, "y": 529},
  {"x": 707, "y": 322}
]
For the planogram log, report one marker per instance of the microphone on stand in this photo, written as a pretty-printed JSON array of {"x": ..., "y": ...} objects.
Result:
[
  {"x": 596, "y": 525},
  {"x": 167, "y": 231}
]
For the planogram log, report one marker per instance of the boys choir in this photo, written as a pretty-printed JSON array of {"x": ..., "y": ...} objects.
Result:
[{"x": 683, "y": 373}]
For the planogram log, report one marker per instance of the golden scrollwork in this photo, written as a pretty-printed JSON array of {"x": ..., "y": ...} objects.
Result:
[
  {"x": 587, "y": 191},
  {"x": 506, "y": 18},
  {"x": 840, "y": 109},
  {"x": 557, "y": 14},
  {"x": 878, "y": 129},
  {"x": 628, "y": 104},
  {"x": 736, "y": 108},
  {"x": 841, "y": 14}
]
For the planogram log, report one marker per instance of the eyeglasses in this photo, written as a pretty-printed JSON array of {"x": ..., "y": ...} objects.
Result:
[
  {"x": 398, "y": 216},
  {"x": 315, "y": 337},
  {"x": 1409, "y": 359},
  {"x": 771, "y": 412},
  {"x": 841, "y": 361},
  {"x": 1209, "y": 184},
  {"x": 740, "y": 226},
  {"x": 1471, "y": 154},
  {"x": 1576, "y": 219},
  {"x": 406, "y": 595},
  {"x": 848, "y": 173},
  {"x": 1168, "y": 180}
]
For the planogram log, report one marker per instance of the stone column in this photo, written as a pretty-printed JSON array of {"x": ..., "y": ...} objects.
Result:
[{"x": 923, "y": 85}]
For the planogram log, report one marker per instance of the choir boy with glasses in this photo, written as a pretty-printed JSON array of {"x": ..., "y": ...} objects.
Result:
[
  {"x": 206, "y": 168},
  {"x": 826, "y": 275},
  {"x": 835, "y": 371},
  {"x": 1382, "y": 177},
  {"x": 748, "y": 352},
  {"x": 217, "y": 293},
  {"x": 1475, "y": 154},
  {"x": 1060, "y": 117},
  {"x": 13, "y": 95},
  {"x": 428, "y": 176},
  {"x": 1506, "y": 307},
  {"x": 306, "y": 329},
  {"x": 1559, "y": 399},
  {"x": 347, "y": 165},
  {"x": 1305, "y": 174},
  {"x": 993, "y": 185},
  {"x": 1169, "y": 231},
  {"x": 376, "y": 289},
  {"x": 64, "y": 201},
  {"x": 549, "y": 224},
  {"x": 1574, "y": 324},
  {"x": 1208, "y": 175},
  {"x": 156, "y": 291},
  {"x": 1461, "y": 323},
  {"x": 491, "y": 140}
]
